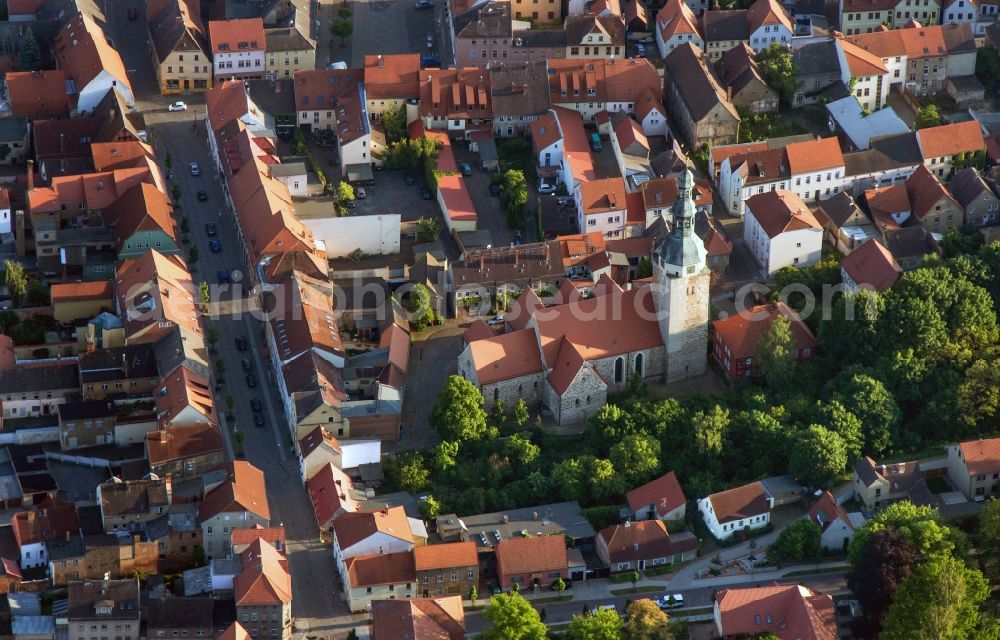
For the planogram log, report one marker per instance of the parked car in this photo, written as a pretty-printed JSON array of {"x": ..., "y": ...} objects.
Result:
[
  {"x": 410, "y": 178},
  {"x": 425, "y": 193},
  {"x": 223, "y": 275},
  {"x": 595, "y": 142},
  {"x": 255, "y": 405},
  {"x": 424, "y": 4},
  {"x": 210, "y": 228},
  {"x": 247, "y": 364},
  {"x": 202, "y": 196},
  {"x": 494, "y": 190},
  {"x": 251, "y": 381},
  {"x": 430, "y": 61},
  {"x": 466, "y": 169},
  {"x": 430, "y": 41},
  {"x": 177, "y": 106},
  {"x": 258, "y": 419},
  {"x": 350, "y": 204},
  {"x": 670, "y": 601},
  {"x": 648, "y": 40},
  {"x": 241, "y": 343},
  {"x": 214, "y": 246},
  {"x": 545, "y": 187},
  {"x": 360, "y": 193},
  {"x": 195, "y": 169},
  {"x": 640, "y": 50}
]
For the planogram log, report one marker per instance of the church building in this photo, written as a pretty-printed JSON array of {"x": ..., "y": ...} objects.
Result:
[{"x": 567, "y": 357}]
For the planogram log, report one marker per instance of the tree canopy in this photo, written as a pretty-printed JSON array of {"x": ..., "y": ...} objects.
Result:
[
  {"x": 458, "y": 413},
  {"x": 604, "y": 624},
  {"x": 511, "y": 617},
  {"x": 775, "y": 64}
]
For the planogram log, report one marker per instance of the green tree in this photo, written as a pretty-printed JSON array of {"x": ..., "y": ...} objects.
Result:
[
  {"x": 511, "y": 617},
  {"x": 394, "y": 123},
  {"x": 458, "y": 413},
  {"x": 342, "y": 28},
  {"x": 775, "y": 63},
  {"x": 920, "y": 526},
  {"x": 352, "y": 635},
  {"x": 559, "y": 585},
  {"x": 29, "y": 53},
  {"x": 175, "y": 192},
  {"x": 418, "y": 303},
  {"x": 474, "y": 593},
  {"x": 514, "y": 195},
  {"x": 429, "y": 508},
  {"x": 16, "y": 280},
  {"x": 818, "y": 456},
  {"x": 410, "y": 472},
  {"x": 521, "y": 414},
  {"x": 871, "y": 402},
  {"x": 212, "y": 335},
  {"x": 988, "y": 67},
  {"x": 444, "y": 455},
  {"x": 428, "y": 229},
  {"x": 939, "y": 600},
  {"x": 193, "y": 255},
  {"x": 774, "y": 357},
  {"x": 230, "y": 403},
  {"x": 645, "y": 621},
  {"x": 645, "y": 268},
  {"x": 709, "y": 429},
  {"x": 797, "y": 542},
  {"x": 571, "y": 479},
  {"x": 839, "y": 420},
  {"x": 886, "y": 560},
  {"x": 636, "y": 458},
  {"x": 604, "y": 624},
  {"x": 927, "y": 116},
  {"x": 345, "y": 192},
  {"x": 38, "y": 294},
  {"x": 988, "y": 539},
  {"x": 604, "y": 481},
  {"x": 520, "y": 449}
]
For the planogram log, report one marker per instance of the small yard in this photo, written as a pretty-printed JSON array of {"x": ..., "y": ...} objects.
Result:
[
  {"x": 515, "y": 153},
  {"x": 761, "y": 126},
  {"x": 938, "y": 485}
]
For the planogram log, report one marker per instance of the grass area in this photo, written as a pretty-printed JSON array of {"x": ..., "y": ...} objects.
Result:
[
  {"x": 634, "y": 590},
  {"x": 812, "y": 572},
  {"x": 550, "y": 599},
  {"x": 690, "y": 613},
  {"x": 938, "y": 485},
  {"x": 761, "y": 126},
  {"x": 659, "y": 571}
]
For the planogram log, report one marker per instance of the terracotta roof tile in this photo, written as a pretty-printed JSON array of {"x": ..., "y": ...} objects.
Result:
[
  {"x": 272, "y": 535},
  {"x": 789, "y": 611},
  {"x": 814, "y": 155},
  {"x": 158, "y": 289},
  {"x": 677, "y": 18},
  {"x": 567, "y": 364},
  {"x": 780, "y": 211},
  {"x": 981, "y": 456},
  {"x": 141, "y": 208},
  {"x": 861, "y": 61},
  {"x": 506, "y": 357},
  {"x": 330, "y": 492},
  {"x": 827, "y": 510},
  {"x": 181, "y": 389},
  {"x": 740, "y": 503},
  {"x": 951, "y": 139},
  {"x": 741, "y": 331},
  {"x": 392, "y": 76},
  {"x": 539, "y": 554},
  {"x": 457, "y": 201},
  {"x": 83, "y": 51},
  {"x": 664, "y": 493},
  {"x": 352, "y": 528},
  {"x": 235, "y": 631},
  {"x": 599, "y": 196},
  {"x": 767, "y": 12},
  {"x": 387, "y": 568},
  {"x": 77, "y": 291},
  {"x": 445, "y": 556},
  {"x": 233, "y": 36},
  {"x": 243, "y": 490},
  {"x": 872, "y": 266},
  {"x": 38, "y": 94},
  {"x": 119, "y": 154},
  {"x": 545, "y": 131},
  {"x": 50, "y": 522},
  {"x": 182, "y": 442},
  {"x": 478, "y": 330},
  {"x": 441, "y": 618},
  {"x": 644, "y": 540},
  {"x": 265, "y": 579}
]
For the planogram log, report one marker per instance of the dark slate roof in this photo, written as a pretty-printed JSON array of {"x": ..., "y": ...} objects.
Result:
[
  {"x": 534, "y": 38},
  {"x": 47, "y": 377},
  {"x": 816, "y": 58},
  {"x": 85, "y": 594},
  {"x": 725, "y": 25},
  {"x": 886, "y": 152},
  {"x": 106, "y": 364},
  {"x": 520, "y": 89},
  {"x": 909, "y": 242},
  {"x": 485, "y": 20},
  {"x": 696, "y": 81},
  {"x": 839, "y": 208},
  {"x": 169, "y": 32},
  {"x": 577, "y": 27},
  {"x": 275, "y": 97},
  {"x": 287, "y": 39},
  {"x": 180, "y": 613},
  {"x": 967, "y": 185},
  {"x": 86, "y": 409}
]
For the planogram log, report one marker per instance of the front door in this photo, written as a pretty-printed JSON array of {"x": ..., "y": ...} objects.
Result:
[
  {"x": 642, "y": 565},
  {"x": 187, "y": 85}
]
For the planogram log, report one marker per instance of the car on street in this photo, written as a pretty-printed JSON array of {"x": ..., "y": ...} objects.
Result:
[
  {"x": 670, "y": 601},
  {"x": 256, "y": 405},
  {"x": 425, "y": 193},
  {"x": 360, "y": 193},
  {"x": 424, "y": 4},
  {"x": 258, "y": 419},
  {"x": 410, "y": 178},
  {"x": 595, "y": 142},
  {"x": 241, "y": 343},
  {"x": 350, "y": 204},
  {"x": 214, "y": 246},
  {"x": 195, "y": 169},
  {"x": 648, "y": 40},
  {"x": 177, "y": 106},
  {"x": 251, "y": 381},
  {"x": 247, "y": 364},
  {"x": 210, "y": 228},
  {"x": 466, "y": 169},
  {"x": 430, "y": 61},
  {"x": 545, "y": 187},
  {"x": 202, "y": 196},
  {"x": 223, "y": 275},
  {"x": 430, "y": 41},
  {"x": 640, "y": 50},
  {"x": 494, "y": 190},
  {"x": 517, "y": 235}
]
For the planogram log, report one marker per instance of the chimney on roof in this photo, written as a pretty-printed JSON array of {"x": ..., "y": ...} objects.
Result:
[
  {"x": 163, "y": 436},
  {"x": 381, "y": 61},
  {"x": 67, "y": 535},
  {"x": 548, "y": 253},
  {"x": 517, "y": 257},
  {"x": 482, "y": 262},
  {"x": 729, "y": 93},
  {"x": 31, "y": 175}
]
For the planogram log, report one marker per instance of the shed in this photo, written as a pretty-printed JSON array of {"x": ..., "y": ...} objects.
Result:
[{"x": 489, "y": 159}]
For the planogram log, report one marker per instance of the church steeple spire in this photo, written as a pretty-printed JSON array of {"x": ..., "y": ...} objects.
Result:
[{"x": 682, "y": 252}]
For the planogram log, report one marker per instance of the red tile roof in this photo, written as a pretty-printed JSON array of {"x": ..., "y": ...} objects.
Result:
[
  {"x": 83, "y": 51},
  {"x": 600, "y": 196},
  {"x": 445, "y": 556},
  {"x": 392, "y": 76},
  {"x": 644, "y": 540},
  {"x": 861, "y": 62},
  {"x": 780, "y": 211},
  {"x": 179, "y": 443},
  {"x": 981, "y": 456},
  {"x": 792, "y": 612},
  {"x": 457, "y": 201},
  {"x": 545, "y": 131},
  {"x": 235, "y": 631},
  {"x": 330, "y": 492},
  {"x": 265, "y": 579},
  {"x": 814, "y": 155},
  {"x": 664, "y": 494},
  {"x": 243, "y": 490},
  {"x": 180, "y": 389},
  {"x": 352, "y": 528},
  {"x": 741, "y": 331},
  {"x": 272, "y": 535},
  {"x": 768, "y": 12},
  {"x": 505, "y": 357},
  {"x": 38, "y": 94},
  {"x": 827, "y": 510},
  {"x": 441, "y": 618},
  {"x": 53, "y": 521},
  {"x": 234, "y": 36},
  {"x": 872, "y": 266},
  {"x": 387, "y": 568},
  {"x": 566, "y": 365},
  {"x": 478, "y": 330},
  {"x": 951, "y": 139},
  {"x": 740, "y": 503},
  {"x": 79, "y": 291},
  {"x": 539, "y": 554},
  {"x": 576, "y": 148},
  {"x": 677, "y": 18}
]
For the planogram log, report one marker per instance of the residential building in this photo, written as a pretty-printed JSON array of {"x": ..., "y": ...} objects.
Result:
[
  {"x": 735, "y": 339},
  {"x": 696, "y": 99},
  {"x": 450, "y": 568},
  {"x": 178, "y": 537},
  {"x": 890, "y": 160},
  {"x": 142, "y": 219},
  {"x": 383, "y": 576},
  {"x": 332, "y": 494},
  {"x": 92, "y": 557},
  {"x": 185, "y": 398},
  {"x": 941, "y": 146},
  {"x": 35, "y": 390},
  {"x": 455, "y": 100},
  {"x": 813, "y": 170},
  {"x": 676, "y": 24},
  {"x": 35, "y": 530},
  {"x": 185, "y": 452},
  {"x": 910, "y": 245},
  {"x": 600, "y": 206},
  {"x": 335, "y": 99},
  {"x": 836, "y": 525},
  {"x": 593, "y": 36},
  {"x": 642, "y": 545},
  {"x": 287, "y": 50},
  {"x": 118, "y": 370},
  {"x": 765, "y": 23},
  {"x": 179, "y": 49},
  {"x": 172, "y": 617},
  {"x": 14, "y": 136},
  {"x": 442, "y": 617},
  {"x": 816, "y": 69},
  {"x": 745, "y": 85},
  {"x": 563, "y": 519},
  {"x": 865, "y": 16},
  {"x": 659, "y": 194},
  {"x": 239, "y": 502},
  {"x": 651, "y": 113},
  {"x": 37, "y": 95},
  {"x": 263, "y": 592},
  {"x": 366, "y": 534},
  {"x": 974, "y": 468},
  {"x": 845, "y": 225},
  {"x": 595, "y": 85},
  {"x": 781, "y": 231},
  {"x": 659, "y": 499},
  {"x": 483, "y": 34},
  {"x": 871, "y": 75},
  {"x": 869, "y": 268},
  {"x": 87, "y": 423},
  {"x": 787, "y": 611},
  {"x": 879, "y": 485},
  {"x": 913, "y": 10},
  {"x": 154, "y": 294},
  {"x": 90, "y": 62},
  {"x": 320, "y": 448},
  {"x": 238, "y": 49},
  {"x": 856, "y": 128},
  {"x": 520, "y": 95},
  {"x": 127, "y": 505},
  {"x": 734, "y": 510},
  {"x": 978, "y": 13},
  {"x": 391, "y": 81},
  {"x": 981, "y": 204},
  {"x": 527, "y": 562},
  {"x": 921, "y": 200},
  {"x": 275, "y": 536},
  {"x": 112, "y": 605}
]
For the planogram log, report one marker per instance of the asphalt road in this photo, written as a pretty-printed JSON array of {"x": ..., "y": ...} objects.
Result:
[{"x": 559, "y": 612}]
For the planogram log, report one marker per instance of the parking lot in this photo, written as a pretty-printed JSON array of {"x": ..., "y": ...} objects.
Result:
[{"x": 394, "y": 27}]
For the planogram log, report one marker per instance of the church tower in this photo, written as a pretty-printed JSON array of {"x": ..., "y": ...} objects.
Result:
[{"x": 681, "y": 289}]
